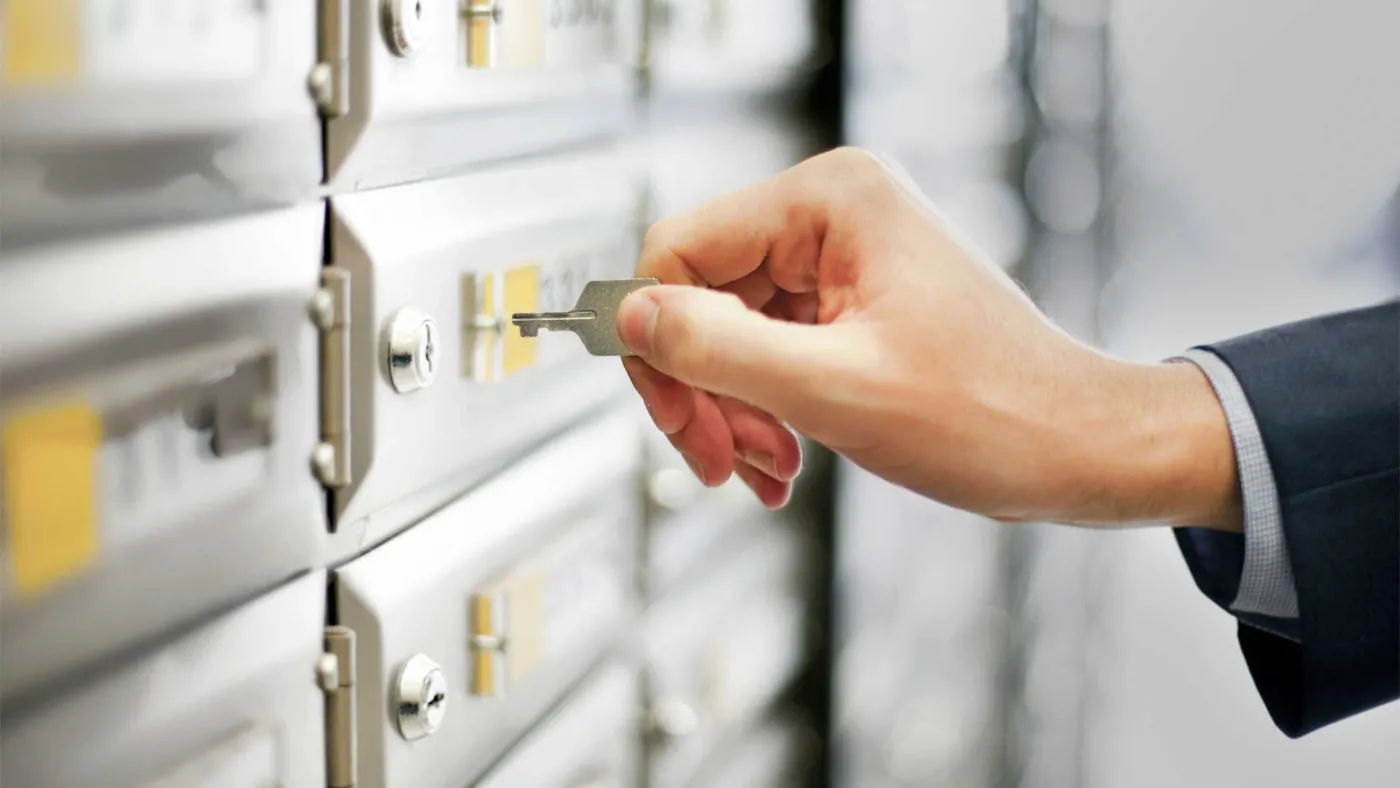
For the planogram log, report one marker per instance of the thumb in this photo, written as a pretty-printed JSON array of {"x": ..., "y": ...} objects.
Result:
[{"x": 712, "y": 341}]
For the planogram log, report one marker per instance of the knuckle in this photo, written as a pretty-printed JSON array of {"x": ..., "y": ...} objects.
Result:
[
  {"x": 848, "y": 174},
  {"x": 855, "y": 160},
  {"x": 658, "y": 238}
]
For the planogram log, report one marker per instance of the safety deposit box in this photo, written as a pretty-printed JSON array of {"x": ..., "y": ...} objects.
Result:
[
  {"x": 686, "y": 521},
  {"x": 720, "y": 652},
  {"x": 119, "y": 112},
  {"x": 710, "y": 46},
  {"x": 433, "y": 85},
  {"x": 470, "y": 624},
  {"x": 692, "y": 163},
  {"x": 776, "y": 753},
  {"x": 233, "y": 704},
  {"x": 157, "y": 423},
  {"x": 429, "y": 386},
  {"x": 593, "y": 741}
]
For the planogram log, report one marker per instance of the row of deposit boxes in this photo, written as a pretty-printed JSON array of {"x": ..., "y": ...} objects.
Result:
[{"x": 286, "y": 501}]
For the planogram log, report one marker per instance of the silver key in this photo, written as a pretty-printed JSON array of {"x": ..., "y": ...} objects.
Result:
[{"x": 593, "y": 318}]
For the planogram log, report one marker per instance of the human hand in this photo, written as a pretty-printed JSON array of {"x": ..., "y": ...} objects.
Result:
[{"x": 833, "y": 298}]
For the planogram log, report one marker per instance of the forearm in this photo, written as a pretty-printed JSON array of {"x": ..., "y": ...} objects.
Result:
[{"x": 1149, "y": 444}]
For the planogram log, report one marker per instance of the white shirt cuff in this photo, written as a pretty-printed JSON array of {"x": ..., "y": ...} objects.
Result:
[{"x": 1266, "y": 580}]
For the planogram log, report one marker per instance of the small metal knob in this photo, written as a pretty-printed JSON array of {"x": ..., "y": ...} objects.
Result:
[
  {"x": 420, "y": 698},
  {"x": 403, "y": 26},
  {"x": 673, "y": 490},
  {"x": 672, "y": 719},
  {"x": 413, "y": 351}
]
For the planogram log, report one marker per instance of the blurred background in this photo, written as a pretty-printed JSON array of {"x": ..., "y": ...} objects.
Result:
[{"x": 286, "y": 502}]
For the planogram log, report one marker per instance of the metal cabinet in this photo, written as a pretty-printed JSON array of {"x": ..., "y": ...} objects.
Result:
[
  {"x": 709, "y": 46},
  {"x": 431, "y": 273},
  {"x": 232, "y": 704},
  {"x": 472, "y": 623},
  {"x": 433, "y": 85},
  {"x": 777, "y": 753},
  {"x": 130, "y": 111},
  {"x": 720, "y": 652},
  {"x": 158, "y": 418},
  {"x": 591, "y": 742},
  {"x": 694, "y": 162},
  {"x": 688, "y": 522}
]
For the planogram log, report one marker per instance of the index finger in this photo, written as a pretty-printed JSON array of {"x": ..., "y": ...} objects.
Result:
[{"x": 780, "y": 222}]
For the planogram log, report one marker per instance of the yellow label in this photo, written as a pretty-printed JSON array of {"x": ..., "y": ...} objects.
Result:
[
  {"x": 522, "y": 294},
  {"x": 50, "y": 478},
  {"x": 525, "y": 638},
  {"x": 42, "y": 42}
]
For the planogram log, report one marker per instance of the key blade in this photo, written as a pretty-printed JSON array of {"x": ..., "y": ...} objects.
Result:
[
  {"x": 530, "y": 323},
  {"x": 593, "y": 319},
  {"x": 602, "y": 298}
]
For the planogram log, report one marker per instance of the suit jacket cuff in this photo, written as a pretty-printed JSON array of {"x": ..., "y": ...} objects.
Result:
[{"x": 1266, "y": 586}]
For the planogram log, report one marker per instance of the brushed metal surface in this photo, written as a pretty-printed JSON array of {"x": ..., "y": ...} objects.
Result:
[
  {"x": 234, "y": 697},
  {"x": 421, "y": 245},
  {"x": 180, "y": 533},
  {"x": 120, "y": 148},
  {"x": 573, "y": 505}
]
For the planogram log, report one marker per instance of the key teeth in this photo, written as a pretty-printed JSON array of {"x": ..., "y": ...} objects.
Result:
[{"x": 528, "y": 330}]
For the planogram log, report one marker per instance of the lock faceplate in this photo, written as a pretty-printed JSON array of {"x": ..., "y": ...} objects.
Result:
[{"x": 420, "y": 698}]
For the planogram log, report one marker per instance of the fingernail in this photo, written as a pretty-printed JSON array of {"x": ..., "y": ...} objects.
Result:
[
  {"x": 764, "y": 462},
  {"x": 695, "y": 468},
  {"x": 636, "y": 322}
]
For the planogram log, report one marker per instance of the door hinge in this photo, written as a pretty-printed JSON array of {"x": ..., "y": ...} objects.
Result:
[
  {"x": 330, "y": 77},
  {"x": 336, "y": 672},
  {"x": 330, "y": 308}
]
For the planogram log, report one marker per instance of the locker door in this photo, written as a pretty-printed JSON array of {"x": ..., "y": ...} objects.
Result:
[
  {"x": 699, "y": 47},
  {"x": 777, "y": 753},
  {"x": 471, "y": 624},
  {"x": 158, "y": 418},
  {"x": 434, "y": 86},
  {"x": 686, "y": 521},
  {"x": 121, "y": 112},
  {"x": 591, "y": 742},
  {"x": 720, "y": 652},
  {"x": 449, "y": 261},
  {"x": 232, "y": 704}
]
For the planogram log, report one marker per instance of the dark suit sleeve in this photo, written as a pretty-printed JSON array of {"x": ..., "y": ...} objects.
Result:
[{"x": 1326, "y": 396}]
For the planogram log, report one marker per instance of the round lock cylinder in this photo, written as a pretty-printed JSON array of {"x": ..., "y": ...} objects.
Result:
[
  {"x": 420, "y": 698},
  {"x": 414, "y": 354},
  {"x": 403, "y": 26}
]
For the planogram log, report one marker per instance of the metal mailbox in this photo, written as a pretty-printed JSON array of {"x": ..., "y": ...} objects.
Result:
[
  {"x": 434, "y": 85},
  {"x": 429, "y": 275},
  {"x": 720, "y": 652},
  {"x": 777, "y": 753},
  {"x": 157, "y": 421},
  {"x": 591, "y": 742},
  {"x": 471, "y": 624},
  {"x": 693, "y": 163},
  {"x": 732, "y": 46},
  {"x": 122, "y": 112},
  {"x": 686, "y": 521},
  {"x": 232, "y": 704}
]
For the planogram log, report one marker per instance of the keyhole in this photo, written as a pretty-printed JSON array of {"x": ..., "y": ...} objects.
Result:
[
  {"x": 437, "y": 700},
  {"x": 418, "y": 9},
  {"x": 429, "y": 346}
]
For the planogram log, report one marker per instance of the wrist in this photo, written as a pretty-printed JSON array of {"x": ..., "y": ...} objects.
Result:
[{"x": 1156, "y": 437}]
